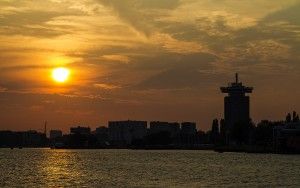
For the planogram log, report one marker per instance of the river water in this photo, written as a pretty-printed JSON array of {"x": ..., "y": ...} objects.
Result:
[{"x": 140, "y": 168}]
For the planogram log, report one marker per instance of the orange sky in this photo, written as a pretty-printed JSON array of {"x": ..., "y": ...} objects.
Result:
[{"x": 144, "y": 60}]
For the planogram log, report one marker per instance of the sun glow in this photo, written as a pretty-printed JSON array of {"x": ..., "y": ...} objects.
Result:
[{"x": 60, "y": 74}]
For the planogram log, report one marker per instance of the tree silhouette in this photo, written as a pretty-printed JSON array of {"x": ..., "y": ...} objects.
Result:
[
  {"x": 295, "y": 117},
  {"x": 222, "y": 131},
  {"x": 288, "y": 118},
  {"x": 240, "y": 132},
  {"x": 215, "y": 131}
]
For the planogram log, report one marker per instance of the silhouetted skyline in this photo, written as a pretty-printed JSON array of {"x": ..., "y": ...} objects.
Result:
[{"x": 235, "y": 132}]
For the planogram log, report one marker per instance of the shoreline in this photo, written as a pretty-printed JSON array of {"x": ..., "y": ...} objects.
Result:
[{"x": 217, "y": 150}]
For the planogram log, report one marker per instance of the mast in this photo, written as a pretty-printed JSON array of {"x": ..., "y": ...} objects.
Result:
[{"x": 45, "y": 128}]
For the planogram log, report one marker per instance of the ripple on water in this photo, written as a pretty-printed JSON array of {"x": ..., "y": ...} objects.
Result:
[{"x": 131, "y": 168}]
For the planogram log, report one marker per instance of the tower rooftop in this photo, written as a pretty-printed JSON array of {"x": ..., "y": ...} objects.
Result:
[{"x": 236, "y": 88}]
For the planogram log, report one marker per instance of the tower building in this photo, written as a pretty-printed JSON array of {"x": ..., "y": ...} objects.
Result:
[{"x": 236, "y": 104}]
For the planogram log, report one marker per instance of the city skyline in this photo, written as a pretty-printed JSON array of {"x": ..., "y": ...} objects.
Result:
[
  {"x": 85, "y": 63},
  {"x": 236, "y": 110}
]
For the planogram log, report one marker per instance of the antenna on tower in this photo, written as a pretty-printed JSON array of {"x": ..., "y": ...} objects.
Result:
[
  {"x": 45, "y": 128},
  {"x": 236, "y": 78}
]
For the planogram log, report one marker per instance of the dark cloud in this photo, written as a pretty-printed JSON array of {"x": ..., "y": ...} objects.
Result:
[
  {"x": 290, "y": 15},
  {"x": 135, "y": 12},
  {"x": 34, "y": 23},
  {"x": 179, "y": 71},
  {"x": 181, "y": 79},
  {"x": 163, "y": 61},
  {"x": 215, "y": 34},
  {"x": 23, "y": 67},
  {"x": 249, "y": 44},
  {"x": 158, "y": 4}
]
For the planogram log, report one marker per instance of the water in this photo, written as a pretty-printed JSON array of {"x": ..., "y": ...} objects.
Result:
[{"x": 129, "y": 168}]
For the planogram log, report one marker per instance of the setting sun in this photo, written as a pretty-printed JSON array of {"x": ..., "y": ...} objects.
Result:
[{"x": 60, "y": 74}]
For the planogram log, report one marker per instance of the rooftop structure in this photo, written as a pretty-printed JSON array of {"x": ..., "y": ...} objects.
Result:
[{"x": 236, "y": 88}]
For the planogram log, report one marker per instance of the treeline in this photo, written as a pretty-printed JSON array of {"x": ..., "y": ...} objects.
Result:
[{"x": 257, "y": 137}]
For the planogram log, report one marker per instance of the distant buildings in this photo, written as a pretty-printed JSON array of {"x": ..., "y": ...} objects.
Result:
[
  {"x": 102, "y": 136},
  {"x": 188, "y": 128},
  {"x": 118, "y": 134},
  {"x": 173, "y": 129},
  {"x": 80, "y": 130},
  {"x": 56, "y": 139},
  {"x": 124, "y": 132},
  {"x": 266, "y": 136},
  {"x": 32, "y": 138},
  {"x": 29, "y": 138},
  {"x": 286, "y": 138},
  {"x": 235, "y": 132},
  {"x": 55, "y": 134}
]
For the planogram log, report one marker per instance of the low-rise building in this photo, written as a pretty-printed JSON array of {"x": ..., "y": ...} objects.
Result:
[
  {"x": 158, "y": 126},
  {"x": 188, "y": 128},
  {"x": 286, "y": 138},
  {"x": 124, "y": 132},
  {"x": 102, "y": 135},
  {"x": 22, "y": 139},
  {"x": 80, "y": 130},
  {"x": 55, "y": 134}
]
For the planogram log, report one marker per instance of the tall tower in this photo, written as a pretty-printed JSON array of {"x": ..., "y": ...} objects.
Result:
[{"x": 236, "y": 104}]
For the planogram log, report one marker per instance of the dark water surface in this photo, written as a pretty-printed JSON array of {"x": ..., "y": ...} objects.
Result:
[{"x": 129, "y": 168}]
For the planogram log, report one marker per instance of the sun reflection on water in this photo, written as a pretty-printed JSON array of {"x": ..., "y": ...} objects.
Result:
[{"x": 61, "y": 166}]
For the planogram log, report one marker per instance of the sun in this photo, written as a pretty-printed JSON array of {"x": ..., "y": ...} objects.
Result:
[{"x": 60, "y": 74}]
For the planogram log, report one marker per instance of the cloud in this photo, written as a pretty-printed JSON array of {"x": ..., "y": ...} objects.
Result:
[
  {"x": 35, "y": 22},
  {"x": 106, "y": 86},
  {"x": 3, "y": 89},
  {"x": 289, "y": 14},
  {"x": 22, "y": 67},
  {"x": 140, "y": 55},
  {"x": 178, "y": 46},
  {"x": 182, "y": 71},
  {"x": 179, "y": 79},
  {"x": 126, "y": 11},
  {"x": 158, "y": 4},
  {"x": 118, "y": 58},
  {"x": 137, "y": 14}
]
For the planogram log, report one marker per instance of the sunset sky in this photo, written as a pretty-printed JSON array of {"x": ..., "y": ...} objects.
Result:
[{"x": 144, "y": 60}]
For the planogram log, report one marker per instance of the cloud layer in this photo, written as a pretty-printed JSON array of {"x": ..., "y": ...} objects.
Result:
[{"x": 143, "y": 59}]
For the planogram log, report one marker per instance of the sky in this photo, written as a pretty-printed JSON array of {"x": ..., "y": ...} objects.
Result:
[{"x": 145, "y": 60}]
